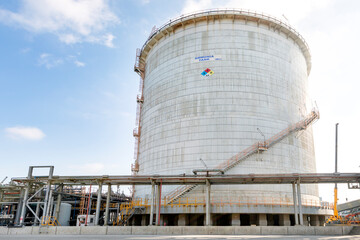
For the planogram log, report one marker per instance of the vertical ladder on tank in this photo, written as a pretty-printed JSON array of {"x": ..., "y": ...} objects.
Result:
[
  {"x": 139, "y": 68},
  {"x": 256, "y": 147}
]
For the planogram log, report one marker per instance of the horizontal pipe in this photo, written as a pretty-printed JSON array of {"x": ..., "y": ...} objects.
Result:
[{"x": 237, "y": 179}]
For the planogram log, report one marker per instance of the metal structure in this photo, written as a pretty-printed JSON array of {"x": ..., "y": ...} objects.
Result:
[
  {"x": 210, "y": 81},
  {"x": 126, "y": 213}
]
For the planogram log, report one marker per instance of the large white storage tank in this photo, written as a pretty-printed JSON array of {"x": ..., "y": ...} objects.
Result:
[{"x": 257, "y": 85}]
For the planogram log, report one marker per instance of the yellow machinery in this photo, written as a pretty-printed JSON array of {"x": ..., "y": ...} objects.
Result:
[
  {"x": 49, "y": 221},
  {"x": 335, "y": 219}
]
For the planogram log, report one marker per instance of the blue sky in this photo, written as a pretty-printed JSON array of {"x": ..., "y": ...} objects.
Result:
[{"x": 68, "y": 90}]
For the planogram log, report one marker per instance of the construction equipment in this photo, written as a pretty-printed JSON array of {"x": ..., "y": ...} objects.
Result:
[
  {"x": 49, "y": 221},
  {"x": 335, "y": 219},
  {"x": 255, "y": 148}
]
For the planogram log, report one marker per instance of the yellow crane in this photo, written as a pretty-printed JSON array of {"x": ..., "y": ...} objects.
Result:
[{"x": 335, "y": 219}]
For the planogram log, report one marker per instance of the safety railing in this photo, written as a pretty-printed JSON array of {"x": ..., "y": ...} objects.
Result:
[
  {"x": 209, "y": 12},
  {"x": 231, "y": 201}
]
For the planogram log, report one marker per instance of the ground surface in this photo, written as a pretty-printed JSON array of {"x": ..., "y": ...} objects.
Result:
[{"x": 164, "y": 237}]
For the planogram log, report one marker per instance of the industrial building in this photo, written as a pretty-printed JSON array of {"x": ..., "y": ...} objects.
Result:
[
  {"x": 226, "y": 90},
  {"x": 223, "y": 136}
]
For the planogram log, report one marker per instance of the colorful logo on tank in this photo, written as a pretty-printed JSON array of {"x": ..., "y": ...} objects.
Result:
[{"x": 207, "y": 72}]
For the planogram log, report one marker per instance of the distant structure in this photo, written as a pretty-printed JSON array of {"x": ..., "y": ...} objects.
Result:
[{"x": 226, "y": 91}]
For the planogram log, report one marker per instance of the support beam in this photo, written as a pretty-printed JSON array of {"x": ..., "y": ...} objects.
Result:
[
  {"x": 296, "y": 215},
  {"x": 106, "y": 220},
  {"x": 51, "y": 206},
  {"x": 98, "y": 204},
  {"x": 23, "y": 208},
  {"x": 305, "y": 220},
  {"x": 182, "y": 220},
  {"x": 235, "y": 219},
  {"x": 151, "y": 222},
  {"x": 158, "y": 204},
  {"x": 207, "y": 215},
  {"x": 314, "y": 220},
  {"x": 19, "y": 207},
  {"x": 284, "y": 220},
  {"x": 37, "y": 211},
  {"x": 58, "y": 201},
  {"x": 300, "y": 206},
  {"x": 157, "y": 196},
  {"x": 262, "y": 220},
  {"x": 49, "y": 203},
  {"x": 143, "y": 220}
]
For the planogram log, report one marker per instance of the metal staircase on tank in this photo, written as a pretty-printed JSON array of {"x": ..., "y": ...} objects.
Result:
[
  {"x": 126, "y": 215},
  {"x": 255, "y": 148}
]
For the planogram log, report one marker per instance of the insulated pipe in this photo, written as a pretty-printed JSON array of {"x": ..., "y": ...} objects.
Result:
[
  {"x": 300, "y": 206},
  {"x": 106, "y": 220},
  {"x": 98, "y": 204},
  {"x": 296, "y": 214}
]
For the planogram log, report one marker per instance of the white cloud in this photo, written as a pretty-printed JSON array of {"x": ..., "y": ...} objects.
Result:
[
  {"x": 28, "y": 133},
  {"x": 294, "y": 11},
  {"x": 25, "y": 50},
  {"x": 49, "y": 61},
  {"x": 71, "y": 20},
  {"x": 79, "y": 64},
  {"x": 193, "y": 5},
  {"x": 108, "y": 40}
]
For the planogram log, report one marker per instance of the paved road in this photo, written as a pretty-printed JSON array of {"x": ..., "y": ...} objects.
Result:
[{"x": 165, "y": 237}]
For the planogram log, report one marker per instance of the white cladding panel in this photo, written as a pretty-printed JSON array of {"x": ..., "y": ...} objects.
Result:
[{"x": 260, "y": 82}]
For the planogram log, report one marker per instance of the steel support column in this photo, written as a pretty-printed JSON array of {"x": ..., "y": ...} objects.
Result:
[
  {"x": 37, "y": 211},
  {"x": 296, "y": 214},
  {"x": 152, "y": 204},
  {"x": 106, "y": 220},
  {"x": 98, "y": 204},
  {"x": 158, "y": 204},
  {"x": 19, "y": 207},
  {"x": 58, "y": 202},
  {"x": 300, "y": 206},
  {"x": 48, "y": 192},
  {"x": 208, "y": 206},
  {"x": 23, "y": 207}
]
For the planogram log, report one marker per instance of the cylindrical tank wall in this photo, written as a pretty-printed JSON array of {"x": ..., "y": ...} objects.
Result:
[{"x": 259, "y": 81}]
